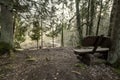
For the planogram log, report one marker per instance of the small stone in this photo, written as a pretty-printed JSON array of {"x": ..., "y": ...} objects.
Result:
[
  {"x": 57, "y": 73},
  {"x": 55, "y": 78}
]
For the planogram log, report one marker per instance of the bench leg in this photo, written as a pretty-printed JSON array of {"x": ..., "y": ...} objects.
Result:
[
  {"x": 79, "y": 57},
  {"x": 88, "y": 59},
  {"x": 104, "y": 55}
]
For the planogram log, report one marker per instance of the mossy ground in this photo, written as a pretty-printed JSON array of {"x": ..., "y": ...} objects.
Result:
[{"x": 116, "y": 67}]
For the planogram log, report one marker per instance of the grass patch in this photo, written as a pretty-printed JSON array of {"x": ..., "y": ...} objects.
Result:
[
  {"x": 30, "y": 59},
  {"x": 80, "y": 65}
]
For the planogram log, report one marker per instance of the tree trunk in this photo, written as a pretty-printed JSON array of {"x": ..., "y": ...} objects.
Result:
[
  {"x": 41, "y": 34},
  {"x": 111, "y": 20},
  {"x": 53, "y": 41},
  {"x": 92, "y": 13},
  {"x": 62, "y": 36},
  {"x": 14, "y": 22},
  {"x": 62, "y": 30},
  {"x": 99, "y": 17},
  {"x": 37, "y": 44},
  {"x": 79, "y": 29},
  {"x": 87, "y": 19},
  {"x": 6, "y": 25},
  {"x": 115, "y": 24}
]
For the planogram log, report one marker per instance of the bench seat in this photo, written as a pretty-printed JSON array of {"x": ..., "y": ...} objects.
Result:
[{"x": 89, "y": 50}]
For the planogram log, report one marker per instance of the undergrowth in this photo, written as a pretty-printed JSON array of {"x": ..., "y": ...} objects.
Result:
[{"x": 116, "y": 67}]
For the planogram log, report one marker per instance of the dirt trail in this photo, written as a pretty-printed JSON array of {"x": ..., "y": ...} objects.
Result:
[{"x": 53, "y": 64}]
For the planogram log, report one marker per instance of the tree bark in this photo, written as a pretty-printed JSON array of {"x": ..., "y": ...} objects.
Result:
[
  {"x": 6, "y": 25},
  {"x": 115, "y": 25},
  {"x": 62, "y": 36},
  {"x": 111, "y": 20},
  {"x": 53, "y": 41},
  {"x": 87, "y": 19},
  {"x": 79, "y": 29}
]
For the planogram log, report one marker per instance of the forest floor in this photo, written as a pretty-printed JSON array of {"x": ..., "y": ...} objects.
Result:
[{"x": 52, "y": 64}]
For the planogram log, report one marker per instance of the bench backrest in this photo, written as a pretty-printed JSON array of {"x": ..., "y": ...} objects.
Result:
[{"x": 96, "y": 41}]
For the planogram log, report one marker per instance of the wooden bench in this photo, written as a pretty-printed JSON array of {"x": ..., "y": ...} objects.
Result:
[{"x": 92, "y": 45}]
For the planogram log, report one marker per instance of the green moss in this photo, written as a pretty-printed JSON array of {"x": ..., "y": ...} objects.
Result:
[
  {"x": 5, "y": 48},
  {"x": 116, "y": 64},
  {"x": 117, "y": 71},
  {"x": 5, "y": 45},
  {"x": 116, "y": 67}
]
